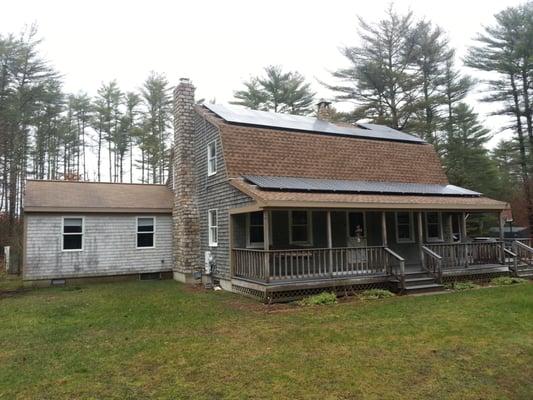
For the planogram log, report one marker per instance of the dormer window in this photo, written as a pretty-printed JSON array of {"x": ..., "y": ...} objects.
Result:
[{"x": 211, "y": 158}]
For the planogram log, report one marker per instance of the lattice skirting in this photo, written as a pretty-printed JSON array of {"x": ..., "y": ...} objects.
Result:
[
  {"x": 482, "y": 278},
  {"x": 270, "y": 295}
]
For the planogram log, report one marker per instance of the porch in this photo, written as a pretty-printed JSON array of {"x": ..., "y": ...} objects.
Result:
[{"x": 283, "y": 250}]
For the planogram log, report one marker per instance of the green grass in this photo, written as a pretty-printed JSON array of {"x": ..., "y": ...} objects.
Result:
[{"x": 143, "y": 340}]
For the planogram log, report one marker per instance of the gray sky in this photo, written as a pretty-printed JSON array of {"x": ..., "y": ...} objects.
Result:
[{"x": 220, "y": 43}]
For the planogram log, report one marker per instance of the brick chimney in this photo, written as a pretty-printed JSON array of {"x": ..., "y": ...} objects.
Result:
[
  {"x": 185, "y": 215},
  {"x": 324, "y": 110}
]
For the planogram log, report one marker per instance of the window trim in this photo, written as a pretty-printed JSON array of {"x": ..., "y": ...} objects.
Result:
[
  {"x": 211, "y": 172},
  {"x": 309, "y": 241},
  {"x": 411, "y": 228},
  {"x": 137, "y": 232},
  {"x": 348, "y": 223},
  {"x": 439, "y": 238},
  {"x": 254, "y": 245},
  {"x": 68, "y": 234},
  {"x": 212, "y": 243}
]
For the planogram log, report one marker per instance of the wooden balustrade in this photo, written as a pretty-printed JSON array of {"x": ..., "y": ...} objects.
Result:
[
  {"x": 524, "y": 253},
  {"x": 313, "y": 263},
  {"x": 463, "y": 255},
  {"x": 432, "y": 262}
]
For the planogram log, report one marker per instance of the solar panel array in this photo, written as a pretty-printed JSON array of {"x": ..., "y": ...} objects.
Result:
[
  {"x": 244, "y": 116},
  {"x": 346, "y": 186}
]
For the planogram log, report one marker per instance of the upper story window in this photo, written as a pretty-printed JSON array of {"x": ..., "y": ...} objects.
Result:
[
  {"x": 255, "y": 229},
  {"x": 145, "y": 232},
  {"x": 212, "y": 158},
  {"x": 72, "y": 234},
  {"x": 212, "y": 221},
  {"x": 433, "y": 226},
  {"x": 404, "y": 227},
  {"x": 300, "y": 227}
]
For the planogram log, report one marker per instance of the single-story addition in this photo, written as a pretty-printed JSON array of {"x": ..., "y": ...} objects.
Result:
[{"x": 272, "y": 206}]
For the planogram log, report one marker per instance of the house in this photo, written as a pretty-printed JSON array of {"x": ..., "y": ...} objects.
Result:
[{"x": 272, "y": 206}]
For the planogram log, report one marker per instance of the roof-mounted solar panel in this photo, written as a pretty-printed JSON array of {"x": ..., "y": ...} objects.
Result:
[
  {"x": 244, "y": 116},
  {"x": 347, "y": 186}
]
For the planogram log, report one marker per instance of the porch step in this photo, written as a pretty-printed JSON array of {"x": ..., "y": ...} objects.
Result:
[
  {"x": 425, "y": 288},
  {"x": 525, "y": 273},
  {"x": 420, "y": 282}
]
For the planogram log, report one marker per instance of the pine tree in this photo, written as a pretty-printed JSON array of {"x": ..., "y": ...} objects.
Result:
[
  {"x": 278, "y": 91},
  {"x": 466, "y": 159}
]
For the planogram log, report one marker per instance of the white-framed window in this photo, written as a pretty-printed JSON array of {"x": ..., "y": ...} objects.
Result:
[
  {"x": 255, "y": 229},
  {"x": 404, "y": 227},
  {"x": 72, "y": 230},
  {"x": 300, "y": 231},
  {"x": 434, "y": 227},
  {"x": 212, "y": 221},
  {"x": 211, "y": 158},
  {"x": 145, "y": 233}
]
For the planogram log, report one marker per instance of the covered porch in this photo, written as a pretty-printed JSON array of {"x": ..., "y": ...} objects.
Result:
[{"x": 280, "y": 248}]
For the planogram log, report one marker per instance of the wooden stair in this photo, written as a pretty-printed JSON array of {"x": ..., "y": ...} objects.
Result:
[{"x": 420, "y": 282}]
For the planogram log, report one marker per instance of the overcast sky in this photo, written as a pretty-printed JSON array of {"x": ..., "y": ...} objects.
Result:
[{"x": 219, "y": 43}]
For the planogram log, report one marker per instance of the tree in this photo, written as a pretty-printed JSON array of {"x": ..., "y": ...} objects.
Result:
[
  {"x": 506, "y": 48},
  {"x": 278, "y": 91},
  {"x": 380, "y": 78},
  {"x": 130, "y": 125},
  {"x": 156, "y": 122},
  {"x": 82, "y": 109},
  {"x": 466, "y": 159}
]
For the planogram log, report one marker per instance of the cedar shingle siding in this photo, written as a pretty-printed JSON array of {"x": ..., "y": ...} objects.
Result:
[
  {"x": 214, "y": 192},
  {"x": 109, "y": 247}
]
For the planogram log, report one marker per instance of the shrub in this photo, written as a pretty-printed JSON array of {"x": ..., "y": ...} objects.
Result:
[
  {"x": 319, "y": 299},
  {"x": 372, "y": 294},
  {"x": 464, "y": 285},
  {"x": 506, "y": 280}
]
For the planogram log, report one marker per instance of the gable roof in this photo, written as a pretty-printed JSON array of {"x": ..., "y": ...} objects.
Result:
[
  {"x": 71, "y": 196},
  {"x": 272, "y": 151}
]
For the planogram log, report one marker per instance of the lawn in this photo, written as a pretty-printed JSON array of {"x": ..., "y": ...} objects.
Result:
[{"x": 159, "y": 339}]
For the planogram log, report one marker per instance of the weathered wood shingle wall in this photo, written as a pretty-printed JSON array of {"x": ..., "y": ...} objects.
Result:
[
  {"x": 109, "y": 247},
  {"x": 214, "y": 192}
]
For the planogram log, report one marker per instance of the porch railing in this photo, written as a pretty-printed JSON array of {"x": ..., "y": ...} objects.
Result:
[
  {"x": 524, "y": 255},
  {"x": 463, "y": 255},
  {"x": 303, "y": 264},
  {"x": 432, "y": 262},
  {"x": 396, "y": 266}
]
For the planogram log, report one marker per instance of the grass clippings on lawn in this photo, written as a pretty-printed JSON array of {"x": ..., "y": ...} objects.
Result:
[{"x": 143, "y": 340}]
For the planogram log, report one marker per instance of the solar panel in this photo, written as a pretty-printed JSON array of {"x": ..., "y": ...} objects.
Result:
[
  {"x": 346, "y": 186},
  {"x": 245, "y": 116}
]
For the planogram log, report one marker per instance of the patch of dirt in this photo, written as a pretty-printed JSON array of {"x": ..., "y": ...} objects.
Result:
[{"x": 13, "y": 292}]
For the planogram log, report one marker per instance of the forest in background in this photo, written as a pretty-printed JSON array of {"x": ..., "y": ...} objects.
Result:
[{"x": 404, "y": 74}]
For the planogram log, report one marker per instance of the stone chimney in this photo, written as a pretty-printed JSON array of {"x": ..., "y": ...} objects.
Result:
[
  {"x": 324, "y": 110},
  {"x": 185, "y": 215}
]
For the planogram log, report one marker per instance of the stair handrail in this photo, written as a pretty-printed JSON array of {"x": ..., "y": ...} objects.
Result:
[
  {"x": 519, "y": 247},
  {"x": 401, "y": 275},
  {"x": 513, "y": 266},
  {"x": 435, "y": 268}
]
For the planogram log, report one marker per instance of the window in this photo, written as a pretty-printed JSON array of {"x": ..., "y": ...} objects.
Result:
[
  {"x": 145, "y": 232},
  {"x": 212, "y": 219},
  {"x": 72, "y": 234},
  {"x": 433, "y": 226},
  {"x": 300, "y": 227},
  {"x": 404, "y": 227},
  {"x": 211, "y": 158},
  {"x": 255, "y": 229},
  {"x": 356, "y": 224}
]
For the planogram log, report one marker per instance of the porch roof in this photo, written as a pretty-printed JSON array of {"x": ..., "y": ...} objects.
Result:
[{"x": 272, "y": 198}]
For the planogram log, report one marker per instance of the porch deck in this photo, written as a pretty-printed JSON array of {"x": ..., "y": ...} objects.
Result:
[{"x": 283, "y": 275}]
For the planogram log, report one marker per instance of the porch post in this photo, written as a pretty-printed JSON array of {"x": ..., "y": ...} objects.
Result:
[
  {"x": 330, "y": 242},
  {"x": 266, "y": 243},
  {"x": 502, "y": 236},
  {"x": 231, "y": 239},
  {"x": 463, "y": 226},
  {"x": 420, "y": 237},
  {"x": 450, "y": 227},
  {"x": 384, "y": 228}
]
